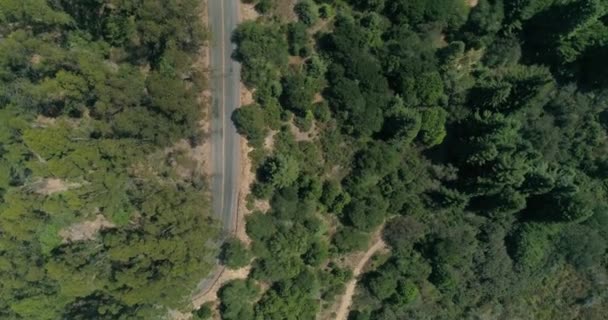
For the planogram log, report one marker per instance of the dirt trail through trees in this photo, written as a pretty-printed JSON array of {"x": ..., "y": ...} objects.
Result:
[{"x": 347, "y": 298}]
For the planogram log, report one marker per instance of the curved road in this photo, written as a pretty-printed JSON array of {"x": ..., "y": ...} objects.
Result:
[{"x": 226, "y": 97}]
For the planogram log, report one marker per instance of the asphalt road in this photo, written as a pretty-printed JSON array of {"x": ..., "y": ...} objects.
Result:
[{"x": 226, "y": 97}]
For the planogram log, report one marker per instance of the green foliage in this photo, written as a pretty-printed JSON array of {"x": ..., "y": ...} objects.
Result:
[
  {"x": 91, "y": 202},
  {"x": 205, "y": 312},
  {"x": 307, "y": 12},
  {"x": 452, "y": 13},
  {"x": 531, "y": 243},
  {"x": 582, "y": 246},
  {"x": 290, "y": 299},
  {"x": 280, "y": 171},
  {"x": 349, "y": 239},
  {"x": 265, "y": 6},
  {"x": 249, "y": 121},
  {"x": 432, "y": 126},
  {"x": 298, "y": 93},
  {"x": 297, "y": 35},
  {"x": 334, "y": 197},
  {"x": 366, "y": 213},
  {"x": 234, "y": 254},
  {"x": 263, "y": 50},
  {"x": 237, "y": 298},
  {"x": 474, "y": 135}
]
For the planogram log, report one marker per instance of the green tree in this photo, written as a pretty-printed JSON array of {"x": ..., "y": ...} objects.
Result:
[
  {"x": 432, "y": 126},
  {"x": 249, "y": 121},
  {"x": 263, "y": 50},
  {"x": 205, "y": 312},
  {"x": 349, "y": 239},
  {"x": 307, "y": 12},
  {"x": 234, "y": 254},
  {"x": 237, "y": 298},
  {"x": 280, "y": 170}
]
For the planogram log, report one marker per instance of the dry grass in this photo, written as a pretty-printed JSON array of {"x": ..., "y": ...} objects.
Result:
[
  {"x": 51, "y": 186},
  {"x": 248, "y": 12},
  {"x": 227, "y": 275},
  {"x": 472, "y": 3},
  {"x": 247, "y": 178},
  {"x": 284, "y": 10},
  {"x": 246, "y": 96},
  {"x": 86, "y": 230},
  {"x": 44, "y": 122},
  {"x": 296, "y": 61}
]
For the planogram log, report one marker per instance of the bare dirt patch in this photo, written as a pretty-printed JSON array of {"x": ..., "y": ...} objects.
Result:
[
  {"x": 301, "y": 135},
  {"x": 318, "y": 98},
  {"x": 269, "y": 140},
  {"x": 296, "y": 61},
  {"x": 44, "y": 122},
  {"x": 472, "y": 3},
  {"x": 36, "y": 59},
  {"x": 186, "y": 160},
  {"x": 53, "y": 185},
  {"x": 178, "y": 315},
  {"x": 86, "y": 230},
  {"x": 248, "y": 12},
  {"x": 440, "y": 41},
  {"x": 284, "y": 10},
  {"x": 246, "y": 95},
  {"x": 247, "y": 178},
  {"x": 226, "y": 275}
]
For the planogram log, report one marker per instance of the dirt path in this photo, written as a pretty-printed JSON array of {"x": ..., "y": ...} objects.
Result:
[{"x": 347, "y": 298}]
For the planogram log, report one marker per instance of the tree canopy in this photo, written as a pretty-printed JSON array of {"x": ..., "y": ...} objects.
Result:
[
  {"x": 102, "y": 211},
  {"x": 470, "y": 134}
]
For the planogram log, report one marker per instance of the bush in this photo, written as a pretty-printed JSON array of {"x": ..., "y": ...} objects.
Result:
[
  {"x": 307, "y": 12},
  {"x": 234, "y": 254},
  {"x": 203, "y": 313},
  {"x": 350, "y": 239}
]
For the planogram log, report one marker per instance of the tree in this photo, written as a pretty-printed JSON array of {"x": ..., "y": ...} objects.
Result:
[
  {"x": 350, "y": 239},
  {"x": 280, "y": 171},
  {"x": 371, "y": 5},
  {"x": 432, "y": 126},
  {"x": 205, "y": 312},
  {"x": 307, "y": 11},
  {"x": 297, "y": 36},
  {"x": 401, "y": 124},
  {"x": 582, "y": 246},
  {"x": 298, "y": 93},
  {"x": 92, "y": 98},
  {"x": 366, "y": 213},
  {"x": 382, "y": 285},
  {"x": 263, "y": 50},
  {"x": 531, "y": 247},
  {"x": 234, "y": 254},
  {"x": 249, "y": 121},
  {"x": 290, "y": 299},
  {"x": 402, "y": 233},
  {"x": 237, "y": 298}
]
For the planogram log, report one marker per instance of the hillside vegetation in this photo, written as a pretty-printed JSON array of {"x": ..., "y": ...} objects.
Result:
[
  {"x": 475, "y": 136},
  {"x": 103, "y": 214}
]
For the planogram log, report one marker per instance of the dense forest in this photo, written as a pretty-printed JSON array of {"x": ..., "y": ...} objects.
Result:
[
  {"x": 471, "y": 134},
  {"x": 103, "y": 212}
]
